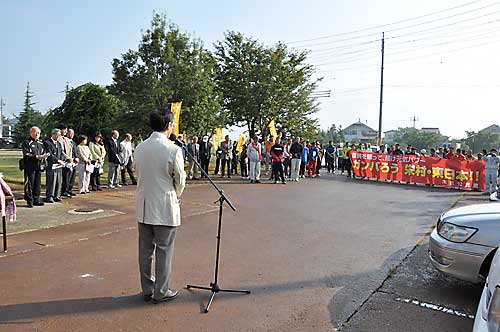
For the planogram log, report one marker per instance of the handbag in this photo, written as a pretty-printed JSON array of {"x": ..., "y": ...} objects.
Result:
[{"x": 21, "y": 164}]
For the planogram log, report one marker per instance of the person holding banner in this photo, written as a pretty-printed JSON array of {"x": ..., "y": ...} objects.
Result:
[
  {"x": 254, "y": 158},
  {"x": 269, "y": 144}
]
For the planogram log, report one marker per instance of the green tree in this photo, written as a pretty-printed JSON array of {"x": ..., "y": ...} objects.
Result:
[
  {"x": 168, "y": 66},
  {"x": 481, "y": 140},
  {"x": 259, "y": 85},
  {"x": 28, "y": 117},
  {"x": 418, "y": 138},
  {"x": 333, "y": 134},
  {"x": 86, "y": 109}
]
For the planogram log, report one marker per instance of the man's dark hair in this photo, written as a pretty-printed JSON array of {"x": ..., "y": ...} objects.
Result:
[
  {"x": 62, "y": 126},
  {"x": 172, "y": 137},
  {"x": 159, "y": 119}
]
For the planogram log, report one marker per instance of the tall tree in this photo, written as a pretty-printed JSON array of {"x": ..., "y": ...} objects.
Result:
[
  {"x": 260, "y": 84},
  {"x": 333, "y": 134},
  {"x": 86, "y": 109},
  {"x": 168, "y": 66},
  {"x": 419, "y": 138},
  {"x": 481, "y": 140},
  {"x": 28, "y": 117}
]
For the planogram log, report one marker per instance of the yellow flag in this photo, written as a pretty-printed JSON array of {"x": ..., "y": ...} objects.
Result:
[
  {"x": 219, "y": 134},
  {"x": 217, "y": 137},
  {"x": 176, "y": 110},
  {"x": 272, "y": 129},
  {"x": 241, "y": 141},
  {"x": 215, "y": 141}
]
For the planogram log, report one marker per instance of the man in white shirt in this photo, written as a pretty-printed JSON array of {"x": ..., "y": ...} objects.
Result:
[
  {"x": 160, "y": 182},
  {"x": 127, "y": 158},
  {"x": 492, "y": 162}
]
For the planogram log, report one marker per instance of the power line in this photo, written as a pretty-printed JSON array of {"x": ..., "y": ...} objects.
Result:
[
  {"x": 412, "y": 26},
  {"x": 485, "y": 35},
  {"x": 384, "y": 25}
]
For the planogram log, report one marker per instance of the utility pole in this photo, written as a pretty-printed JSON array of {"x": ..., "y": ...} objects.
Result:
[
  {"x": 379, "y": 138},
  {"x": 1, "y": 116},
  {"x": 414, "y": 119}
]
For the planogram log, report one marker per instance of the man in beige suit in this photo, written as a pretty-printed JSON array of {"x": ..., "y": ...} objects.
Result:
[{"x": 161, "y": 180}]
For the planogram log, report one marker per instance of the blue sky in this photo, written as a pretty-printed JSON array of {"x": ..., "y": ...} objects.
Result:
[{"x": 451, "y": 82}]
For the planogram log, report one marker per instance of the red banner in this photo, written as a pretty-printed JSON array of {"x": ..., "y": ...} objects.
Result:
[{"x": 418, "y": 169}]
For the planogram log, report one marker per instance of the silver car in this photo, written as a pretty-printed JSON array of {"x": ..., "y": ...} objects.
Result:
[{"x": 465, "y": 240}]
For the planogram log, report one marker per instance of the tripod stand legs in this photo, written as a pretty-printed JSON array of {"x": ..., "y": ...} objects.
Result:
[{"x": 216, "y": 289}]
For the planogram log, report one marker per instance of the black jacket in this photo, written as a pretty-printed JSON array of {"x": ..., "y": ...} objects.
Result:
[
  {"x": 74, "y": 150},
  {"x": 205, "y": 150},
  {"x": 31, "y": 149},
  {"x": 55, "y": 152},
  {"x": 296, "y": 150},
  {"x": 113, "y": 151}
]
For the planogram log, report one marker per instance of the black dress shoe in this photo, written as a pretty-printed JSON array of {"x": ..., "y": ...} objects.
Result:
[
  {"x": 147, "y": 297},
  {"x": 49, "y": 200},
  {"x": 38, "y": 204},
  {"x": 73, "y": 194},
  {"x": 57, "y": 199},
  {"x": 29, "y": 204}
]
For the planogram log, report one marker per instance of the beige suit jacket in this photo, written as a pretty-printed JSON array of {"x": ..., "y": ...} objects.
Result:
[{"x": 161, "y": 180}]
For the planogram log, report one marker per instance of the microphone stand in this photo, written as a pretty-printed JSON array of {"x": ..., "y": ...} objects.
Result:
[{"x": 214, "y": 286}]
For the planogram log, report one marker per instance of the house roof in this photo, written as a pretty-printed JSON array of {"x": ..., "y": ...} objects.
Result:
[
  {"x": 358, "y": 124},
  {"x": 493, "y": 127}
]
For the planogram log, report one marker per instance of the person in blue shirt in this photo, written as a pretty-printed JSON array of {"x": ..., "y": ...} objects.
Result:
[{"x": 304, "y": 158}]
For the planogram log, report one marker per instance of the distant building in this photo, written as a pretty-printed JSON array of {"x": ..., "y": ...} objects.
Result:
[
  {"x": 359, "y": 132},
  {"x": 390, "y": 136},
  {"x": 431, "y": 131},
  {"x": 493, "y": 129}
]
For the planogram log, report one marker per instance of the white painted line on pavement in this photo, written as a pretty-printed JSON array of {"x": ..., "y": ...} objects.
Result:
[{"x": 435, "y": 307}]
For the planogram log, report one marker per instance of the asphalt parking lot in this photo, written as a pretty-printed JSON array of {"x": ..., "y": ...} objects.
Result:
[{"x": 325, "y": 254}]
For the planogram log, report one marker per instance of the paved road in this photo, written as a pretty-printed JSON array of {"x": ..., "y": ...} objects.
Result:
[{"x": 312, "y": 253}]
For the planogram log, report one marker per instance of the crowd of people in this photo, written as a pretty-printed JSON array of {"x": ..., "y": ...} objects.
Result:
[
  {"x": 290, "y": 159},
  {"x": 61, "y": 157}
]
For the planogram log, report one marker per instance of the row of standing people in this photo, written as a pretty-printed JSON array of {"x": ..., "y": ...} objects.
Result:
[
  {"x": 292, "y": 160},
  {"x": 60, "y": 157}
]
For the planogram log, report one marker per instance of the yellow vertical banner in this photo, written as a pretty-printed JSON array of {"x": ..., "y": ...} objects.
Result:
[
  {"x": 215, "y": 141},
  {"x": 219, "y": 134},
  {"x": 241, "y": 141},
  {"x": 272, "y": 129},
  {"x": 176, "y": 110},
  {"x": 217, "y": 137}
]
